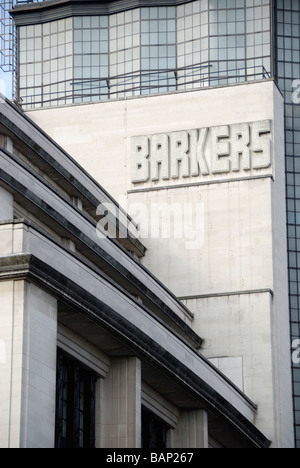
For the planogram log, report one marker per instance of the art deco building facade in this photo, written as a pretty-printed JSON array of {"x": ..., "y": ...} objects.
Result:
[
  {"x": 93, "y": 347},
  {"x": 176, "y": 109}
]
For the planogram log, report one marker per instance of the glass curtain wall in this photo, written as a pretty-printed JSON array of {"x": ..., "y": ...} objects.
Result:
[
  {"x": 90, "y": 55},
  {"x": 124, "y": 53},
  {"x": 144, "y": 51},
  {"x": 288, "y": 74}
]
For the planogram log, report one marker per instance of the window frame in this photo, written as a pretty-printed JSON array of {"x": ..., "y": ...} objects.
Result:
[{"x": 75, "y": 404}]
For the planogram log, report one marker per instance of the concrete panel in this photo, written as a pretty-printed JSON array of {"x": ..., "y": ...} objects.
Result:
[
  {"x": 106, "y": 128},
  {"x": 242, "y": 325},
  {"x": 209, "y": 239}
]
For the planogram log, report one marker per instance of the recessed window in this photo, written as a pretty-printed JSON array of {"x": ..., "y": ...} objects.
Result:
[
  {"x": 154, "y": 431},
  {"x": 75, "y": 405}
]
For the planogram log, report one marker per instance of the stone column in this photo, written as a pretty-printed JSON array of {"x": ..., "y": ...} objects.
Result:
[
  {"x": 28, "y": 343},
  {"x": 120, "y": 411},
  {"x": 191, "y": 431}
]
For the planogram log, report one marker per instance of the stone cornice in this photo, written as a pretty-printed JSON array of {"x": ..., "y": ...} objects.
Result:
[
  {"x": 44, "y": 159},
  {"x": 118, "y": 275}
]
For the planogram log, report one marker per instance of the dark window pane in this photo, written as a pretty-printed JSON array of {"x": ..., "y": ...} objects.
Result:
[{"x": 75, "y": 405}]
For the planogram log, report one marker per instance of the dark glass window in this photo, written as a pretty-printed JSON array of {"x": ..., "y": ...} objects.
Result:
[
  {"x": 75, "y": 405},
  {"x": 154, "y": 431}
]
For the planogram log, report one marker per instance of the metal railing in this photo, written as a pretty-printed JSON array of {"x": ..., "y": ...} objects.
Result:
[
  {"x": 139, "y": 83},
  {"x": 17, "y": 2}
]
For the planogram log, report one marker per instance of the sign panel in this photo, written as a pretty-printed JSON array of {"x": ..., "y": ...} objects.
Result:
[{"x": 199, "y": 153}]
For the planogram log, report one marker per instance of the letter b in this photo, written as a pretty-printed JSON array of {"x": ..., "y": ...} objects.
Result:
[
  {"x": 139, "y": 159},
  {"x": 296, "y": 93}
]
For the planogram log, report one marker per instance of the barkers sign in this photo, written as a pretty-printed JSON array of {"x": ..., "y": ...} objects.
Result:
[{"x": 201, "y": 152}]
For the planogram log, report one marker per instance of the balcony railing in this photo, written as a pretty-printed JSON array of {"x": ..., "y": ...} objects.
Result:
[
  {"x": 140, "y": 83},
  {"x": 17, "y": 2}
]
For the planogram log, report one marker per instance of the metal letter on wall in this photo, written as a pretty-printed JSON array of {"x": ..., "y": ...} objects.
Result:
[
  {"x": 261, "y": 145},
  {"x": 220, "y": 150},
  {"x": 207, "y": 153},
  {"x": 140, "y": 163}
]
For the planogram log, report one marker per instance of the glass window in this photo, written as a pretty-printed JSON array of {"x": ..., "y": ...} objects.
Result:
[
  {"x": 154, "y": 431},
  {"x": 158, "y": 52},
  {"x": 75, "y": 405}
]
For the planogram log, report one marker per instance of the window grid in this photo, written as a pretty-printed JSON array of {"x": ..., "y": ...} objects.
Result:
[
  {"x": 46, "y": 62},
  {"x": 125, "y": 53},
  {"x": 143, "y": 51},
  {"x": 288, "y": 69},
  {"x": 91, "y": 55},
  {"x": 158, "y": 50}
]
